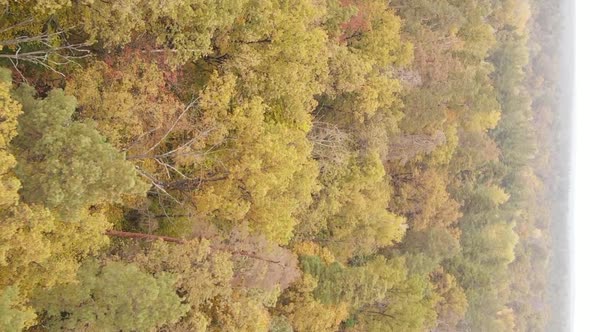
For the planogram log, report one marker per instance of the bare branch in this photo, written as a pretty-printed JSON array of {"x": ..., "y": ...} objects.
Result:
[
  {"x": 379, "y": 313},
  {"x": 29, "y": 39},
  {"x": 48, "y": 56},
  {"x": 15, "y": 65},
  {"x": 138, "y": 139},
  {"x": 186, "y": 144},
  {"x": 189, "y": 106},
  {"x": 191, "y": 184},
  {"x": 167, "y": 165},
  {"x": 406, "y": 147},
  {"x": 155, "y": 183},
  {"x": 173, "y": 151},
  {"x": 143, "y": 236},
  {"x": 19, "y": 24}
]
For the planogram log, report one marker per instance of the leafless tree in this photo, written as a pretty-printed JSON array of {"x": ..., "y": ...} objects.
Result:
[
  {"x": 406, "y": 147},
  {"x": 331, "y": 145},
  {"x": 50, "y": 50},
  {"x": 409, "y": 77},
  {"x": 235, "y": 250}
]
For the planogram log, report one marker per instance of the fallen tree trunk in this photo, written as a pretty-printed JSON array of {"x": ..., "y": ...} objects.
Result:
[{"x": 143, "y": 236}]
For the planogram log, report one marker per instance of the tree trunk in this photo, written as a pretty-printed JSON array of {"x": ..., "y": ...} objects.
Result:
[{"x": 143, "y": 236}]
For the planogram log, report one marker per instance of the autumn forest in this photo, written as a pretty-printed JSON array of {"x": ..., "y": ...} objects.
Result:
[{"x": 278, "y": 165}]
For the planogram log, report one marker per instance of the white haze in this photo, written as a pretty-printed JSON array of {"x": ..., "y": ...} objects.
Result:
[{"x": 581, "y": 172}]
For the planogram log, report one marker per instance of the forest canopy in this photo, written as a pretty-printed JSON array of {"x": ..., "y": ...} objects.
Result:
[{"x": 276, "y": 165}]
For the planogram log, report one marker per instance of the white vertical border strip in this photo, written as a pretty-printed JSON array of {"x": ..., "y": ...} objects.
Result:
[{"x": 580, "y": 180}]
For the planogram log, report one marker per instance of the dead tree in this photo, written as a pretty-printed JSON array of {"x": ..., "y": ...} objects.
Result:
[
  {"x": 48, "y": 50},
  {"x": 410, "y": 78},
  {"x": 331, "y": 145},
  {"x": 406, "y": 147},
  {"x": 151, "y": 237}
]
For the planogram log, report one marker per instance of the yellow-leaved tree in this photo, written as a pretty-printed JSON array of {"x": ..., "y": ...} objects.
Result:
[{"x": 45, "y": 234}]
